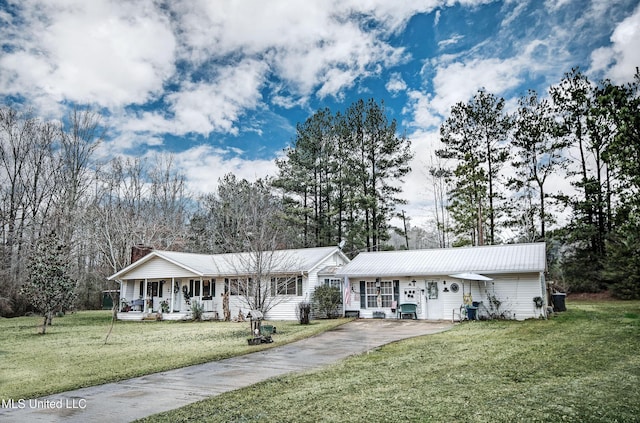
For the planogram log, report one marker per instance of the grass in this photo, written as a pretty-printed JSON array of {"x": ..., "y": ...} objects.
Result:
[
  {"x": 73, "y": 354},
  {"x": 582, "y": 365}
]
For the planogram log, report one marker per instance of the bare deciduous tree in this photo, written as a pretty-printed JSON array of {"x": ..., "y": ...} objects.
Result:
[{"x": 246, "y": 219}]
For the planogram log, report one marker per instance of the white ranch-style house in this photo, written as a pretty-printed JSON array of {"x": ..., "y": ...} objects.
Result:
[
  {"x": 436, "y": 284},
  {"x": 174, "y": 280},
  {"x": 506, "y": 281}
]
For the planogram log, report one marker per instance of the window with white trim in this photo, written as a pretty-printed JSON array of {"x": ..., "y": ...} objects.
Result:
[
  {"x": 382, "y": 288},
  {"x": 286, "y": 285},
  {"x": 333, "y": 282},
  {"x": 238, "y": 286}
]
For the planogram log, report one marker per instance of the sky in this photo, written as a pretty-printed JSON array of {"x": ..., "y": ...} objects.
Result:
[{"x": 222, "y": 84}]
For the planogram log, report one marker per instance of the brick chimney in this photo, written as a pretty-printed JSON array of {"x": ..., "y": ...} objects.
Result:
[{"x": 139, "y": 251}]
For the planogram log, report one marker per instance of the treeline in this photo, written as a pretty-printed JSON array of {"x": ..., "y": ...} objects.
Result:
[
  {"x": 569, "y": 159},
  {"x": 53, "y": 181},
  {"x": 494, "y": 180}
]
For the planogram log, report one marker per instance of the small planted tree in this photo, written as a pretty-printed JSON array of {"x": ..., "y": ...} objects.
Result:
[
  {"x": 326, "y": 299},
  {"x": 197, "y": 310},
  {"x": 49, "y": 288}
]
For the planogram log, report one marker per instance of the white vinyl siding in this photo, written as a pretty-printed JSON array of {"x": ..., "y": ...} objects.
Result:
[
  {"x": 192, "y": 270},
  {"x": 157, "y": 268},
  {"x": 514, "y": 291}
]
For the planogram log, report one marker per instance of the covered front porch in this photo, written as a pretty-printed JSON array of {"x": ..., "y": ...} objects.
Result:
[{"x": 169, "y": 299}]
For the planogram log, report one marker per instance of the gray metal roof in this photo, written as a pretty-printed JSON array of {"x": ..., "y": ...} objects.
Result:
[
  {"x": 506, "y": 258},
  {"x": 280, "y": 261}
]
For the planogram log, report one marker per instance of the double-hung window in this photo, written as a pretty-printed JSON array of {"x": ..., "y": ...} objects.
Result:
[
  {"x": 332, "y": 282},
  {"x": 384, "y": 289},
  {"x": 287, "y": 285}
]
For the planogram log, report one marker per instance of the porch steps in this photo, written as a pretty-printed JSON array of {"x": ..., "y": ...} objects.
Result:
[{"x": 152, "y": 317}]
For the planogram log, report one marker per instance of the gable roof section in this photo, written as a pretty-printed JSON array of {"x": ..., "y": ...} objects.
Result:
[
  {"x": 492, "y": 259},
  {"x": 197, "y": 264},
  {"x": 295, "y": 260}
]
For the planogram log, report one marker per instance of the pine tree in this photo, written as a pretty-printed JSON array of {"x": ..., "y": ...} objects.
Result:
[
  {"x": 475, "y": 135},
  {"x": 340, "y": 178},
  {"x": 539, "y": 143}
]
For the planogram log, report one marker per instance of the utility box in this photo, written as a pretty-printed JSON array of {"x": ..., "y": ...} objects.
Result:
[
  {"x": 471, "y": 312},
  {"x": 108, "y": 297},
  {"x": 559, "y": 301}
]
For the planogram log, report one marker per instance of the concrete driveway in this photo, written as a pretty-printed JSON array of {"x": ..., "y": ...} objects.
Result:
[{"x": 143, "y": 396}]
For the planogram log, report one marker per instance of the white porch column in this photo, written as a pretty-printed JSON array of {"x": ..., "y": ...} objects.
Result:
[
  {"x": 144, "y": 297},
  {"x": 173, "y": 282},
  {"x": 201, "y": 302},
  {"x": 123, "y": 293}
]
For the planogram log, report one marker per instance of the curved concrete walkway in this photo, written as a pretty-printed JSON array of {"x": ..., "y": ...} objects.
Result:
[{"x": 143, "y": 396}]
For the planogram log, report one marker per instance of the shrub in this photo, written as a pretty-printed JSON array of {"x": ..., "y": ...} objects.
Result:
[
  {"x": 197, "y": 310},
  {"x": 326, "y": 299},
  {"x": 304, "y": 310}
]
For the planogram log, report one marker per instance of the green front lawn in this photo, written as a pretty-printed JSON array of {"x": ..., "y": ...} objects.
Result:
[
  {"x": 581, "y": 366},
  {"x": 73, "y": 353}
]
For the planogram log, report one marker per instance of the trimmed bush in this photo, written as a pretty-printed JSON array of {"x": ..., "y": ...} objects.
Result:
[{"x": 326, "y": 300}]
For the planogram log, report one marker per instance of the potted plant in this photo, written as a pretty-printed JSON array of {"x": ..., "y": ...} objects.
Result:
[
  {"x": 124, "y": 305},
  {"x": 164, "y": 306}
]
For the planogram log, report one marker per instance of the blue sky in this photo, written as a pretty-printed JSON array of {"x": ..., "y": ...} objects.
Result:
[{"x": 222, "y": 84}]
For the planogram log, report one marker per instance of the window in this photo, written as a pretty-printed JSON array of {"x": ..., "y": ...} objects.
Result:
[
  {"x": 333, "y": 282},
  {"x": 152, "y": 289},
  {"x": 194, "y": 288},
  {"x": 432, "y": 289},
  {"x": 238, "y": 286},
  {"x": 207, "y": 291},
  {"x": 287, "y": 285},
  {"x": 233, "y": 285},
  {"x": 383, "y": 288}
]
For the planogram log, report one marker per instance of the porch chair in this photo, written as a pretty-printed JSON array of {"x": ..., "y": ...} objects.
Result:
[
  {"x": 460, "y": 312},
  {"x": 408, "y": 309}
]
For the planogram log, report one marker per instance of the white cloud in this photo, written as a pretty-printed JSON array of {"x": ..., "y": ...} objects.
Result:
[
  {"x": 89, "y": 52},
  {"x": 454, "y": 39},
  {"x": 217, "y": 105},
  {"x": 206, "y": 107},
  {"x": 310, "y": 46},
  {"x": 419, "y": 107},
  {"x": 554, "y": 5},
  {"x": 204, "y": 165},
  {"x": 116, "y": 54},
  {"x": 620, "y": 60},
  {"x": 459, "y": 81},
  {"x": 396, "y": 83},
  {"x": 124, "y": 141},
  {"x": 417, "y": 187},
  {"x": 515, "y": 13}
]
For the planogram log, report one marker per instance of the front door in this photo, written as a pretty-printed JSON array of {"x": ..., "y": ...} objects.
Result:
[
  {"x": 153, "y": 294},
  {"x": 433, "y": 300}
]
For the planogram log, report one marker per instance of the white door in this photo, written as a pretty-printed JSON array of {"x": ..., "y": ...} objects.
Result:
[{"x": 433, "y": 299}]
